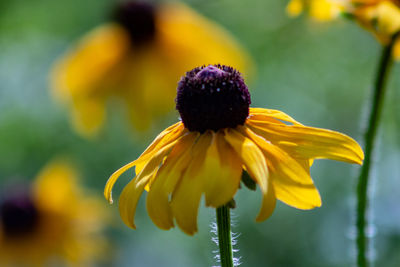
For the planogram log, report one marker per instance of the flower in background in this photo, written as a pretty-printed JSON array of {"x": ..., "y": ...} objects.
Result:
[
  {"x": 219, "y": 137},
  {"x": 137, "y": 57},
  {"x": 321, "y": 10},
  {"x": 381, "y": 17},
  {"x": 51, "y": 221}
]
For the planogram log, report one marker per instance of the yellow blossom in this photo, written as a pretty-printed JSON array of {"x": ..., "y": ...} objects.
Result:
[
  {"x": 381, "y": 17},
  {"x": 219, "y": 137},
  {"x": 137, "y": 58},
  {"x": 51, "y": 221}
]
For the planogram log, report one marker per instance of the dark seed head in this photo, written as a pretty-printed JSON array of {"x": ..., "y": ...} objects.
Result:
[
  {"x": 211, "y": 98},
  {"x": 18, "y": 214},
  {"x": 138, "y": 18}
]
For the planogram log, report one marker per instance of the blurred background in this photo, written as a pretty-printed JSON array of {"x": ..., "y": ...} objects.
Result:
[{"x": 319, "y": 73}]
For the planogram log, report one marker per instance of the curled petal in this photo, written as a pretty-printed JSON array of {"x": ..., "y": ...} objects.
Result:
[
  {"x": 165, "y": 139},
  {"x": 267, "y": 205}
]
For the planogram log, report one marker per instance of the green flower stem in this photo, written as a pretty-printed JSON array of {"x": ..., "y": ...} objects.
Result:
[
  {"x": 224, "y": 236},
  {"x": 382, "y": 74}
]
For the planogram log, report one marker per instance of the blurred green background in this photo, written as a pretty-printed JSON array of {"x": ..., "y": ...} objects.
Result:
[{"x": 319, "y": 73}]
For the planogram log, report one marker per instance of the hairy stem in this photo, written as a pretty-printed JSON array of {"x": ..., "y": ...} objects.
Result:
[{"x": 224, "y": 236}]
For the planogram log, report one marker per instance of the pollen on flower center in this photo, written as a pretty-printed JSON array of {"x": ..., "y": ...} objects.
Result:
[
  {"x": 211, "y": 98},
  {"x": 18, "y": 214},
  {"x": 138, "y": 18}
]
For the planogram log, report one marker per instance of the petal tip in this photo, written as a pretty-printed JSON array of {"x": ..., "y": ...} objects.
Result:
[
  {"x": 190, "y": 232},
  {"x": 262, "y": 217},
  {"x": 108, "y": 196}
]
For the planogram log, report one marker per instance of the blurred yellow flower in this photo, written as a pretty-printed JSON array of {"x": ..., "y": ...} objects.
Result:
[
  {"x": 321, "y": 10},
  {"x": 381, "y": 17},
  {"x": 219, "y": 137},
  {"x": 138, "y": 58},
  {"x": 51, "y": 222}
]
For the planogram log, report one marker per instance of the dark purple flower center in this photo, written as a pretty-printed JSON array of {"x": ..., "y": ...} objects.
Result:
[
  {"x": 18, "y": 214},
  {"x": 211, "y": 98},
  {"x": 138, "y": 18}
]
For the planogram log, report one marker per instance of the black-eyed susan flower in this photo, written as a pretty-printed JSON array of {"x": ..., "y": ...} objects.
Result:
[
  {"x": 50, "y": 222},
  {"x": 321, "y": 10},
  {"x": 217, "y": 138},
  {"x": 137, "y": 58}
]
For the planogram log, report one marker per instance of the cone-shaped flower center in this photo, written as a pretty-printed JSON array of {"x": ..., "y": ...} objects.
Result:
[
  {"x": 18, "y": 214},
  {"x": 212, "y": 98},
  {"x": 138, "y": 18}
]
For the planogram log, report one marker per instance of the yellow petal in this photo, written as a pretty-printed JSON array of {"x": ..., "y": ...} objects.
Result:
[
  {"x": 222, "y": 172},
  {"x": 165, "y": 138},
  {"x": 181, "y": 30},
  {"x": 56, "y": 186},
  {"x": 132, "y": 192},
  {"x": 186, "y": 197},
  {"x": 295, "y": 7},
  {"x": 267, "y": 205},
  {"x": 271, "y": 115},
  {"x": 301, "y": 196},
  {"x": 323, "y": 10},
  {"x": 88, "y": 116},
  {"x": 82, "y": 69},
  {"x": 251, "y": 156},
  {"x": 155, "y": 64},
  {"x": 310, "y": 143},
  {"x": 158, "y": 206},
  {"x": 292, "y": 183},
  {"x": 277, "y": 159},
  {"x": 129, "y": 198},
  {"x": 388, "y": 17},
  {"x": 144, "y": 95}
]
